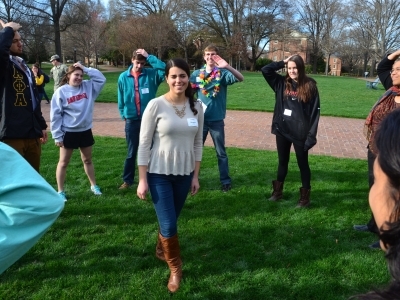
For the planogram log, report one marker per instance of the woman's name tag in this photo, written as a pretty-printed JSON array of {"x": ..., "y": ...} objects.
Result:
[
  {"x": 287, "y": 112},
  {"x": 192, "y": 122}
]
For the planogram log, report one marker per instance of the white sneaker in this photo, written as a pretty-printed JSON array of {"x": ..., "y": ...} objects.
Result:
[{"x": 95, "y": 189}]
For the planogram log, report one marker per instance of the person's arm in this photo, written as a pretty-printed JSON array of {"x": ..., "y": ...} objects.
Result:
[
  {"x": 270, "y": 75},
  {"x": 147, "y": 129},
  {"x": 143, "y": 186},
  {"x": 198, "y": 151},
  {"x": 42, "y": 122},
  {"x": 96, "y": 77},
  {"x": 56, "y": 119},
  {"x": 221, "y": 63},
  {"x": 6, "y": 38},
  {"x": 159, "y": 66},
  {"x": 195, "y": 186},
  {"x": 384, "y": 68},
  {"x": 314, "y": 120},
  {"x": 121, "y": 102}
]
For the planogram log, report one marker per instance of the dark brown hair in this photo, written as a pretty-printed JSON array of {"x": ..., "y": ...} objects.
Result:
[
  {"x": 306, "y": 86},
  {"x": 182, "y": 64}
]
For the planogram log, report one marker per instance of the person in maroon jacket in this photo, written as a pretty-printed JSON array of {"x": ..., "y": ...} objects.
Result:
[
  {"x": 22, "y": 125},
  {"x": 389, "y": 75}
]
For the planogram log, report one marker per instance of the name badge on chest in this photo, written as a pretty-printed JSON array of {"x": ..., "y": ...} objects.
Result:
[
  {"x": 287, "y": 112},
  {"x": 192, "y": 122}
]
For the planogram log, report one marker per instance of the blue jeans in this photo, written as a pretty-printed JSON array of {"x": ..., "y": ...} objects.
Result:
[
  {"x": 132, "y": 133},
  {"x": 217, "y": 132},
  {"x": 169, "y": 193}
]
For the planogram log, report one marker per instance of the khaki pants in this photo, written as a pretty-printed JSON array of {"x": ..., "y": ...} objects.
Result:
[{"x": 30, "y": 149}]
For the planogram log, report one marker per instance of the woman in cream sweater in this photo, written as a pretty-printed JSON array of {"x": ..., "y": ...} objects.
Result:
[{"x": 169, "y": 155}]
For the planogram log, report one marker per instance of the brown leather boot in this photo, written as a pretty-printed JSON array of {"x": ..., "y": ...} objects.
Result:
[
  {"x": 277, "y": 190},
  {"x": 159, "y": 248},
  {"x": 304, "y": 200},
  {"x": 173, "y": 259}
]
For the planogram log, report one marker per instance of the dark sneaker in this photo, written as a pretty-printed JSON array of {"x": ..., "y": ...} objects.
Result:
[
  {"x": 361, "y": 227},
  {"x": 226, "y": 187},
  {"x": 376, "y": 245}
]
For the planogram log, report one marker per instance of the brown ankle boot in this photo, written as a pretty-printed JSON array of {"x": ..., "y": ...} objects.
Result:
[
  {"x": 159, "y": 248},
  {"x": 173, "y": 259},
  {"x": 304, "y": 200},
  {"x": 277, "y": 190}
]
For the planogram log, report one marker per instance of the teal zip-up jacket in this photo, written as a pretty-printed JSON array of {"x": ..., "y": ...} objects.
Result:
[{"x": 149, "y": 80}]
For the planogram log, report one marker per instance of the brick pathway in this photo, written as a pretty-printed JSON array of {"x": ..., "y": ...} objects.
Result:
[{"x": 339, "y": 137}]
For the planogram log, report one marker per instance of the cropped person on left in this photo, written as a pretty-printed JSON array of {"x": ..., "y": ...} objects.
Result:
[
  {"x": 169, "y": 156},
  {"x": 71, "y": 118},
  {"x": 28, "y": 206},
  {"x": 22, "y": 125}
]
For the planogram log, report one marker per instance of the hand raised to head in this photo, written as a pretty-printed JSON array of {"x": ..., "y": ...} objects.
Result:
[
  {"x": 78, "y": 65},
  {"x": 13, "y": 25},
  {"x": 287, "y": 59},
  {"x": 142, "y": 52}
]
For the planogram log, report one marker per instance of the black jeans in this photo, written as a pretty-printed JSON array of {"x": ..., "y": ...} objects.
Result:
[{"x": 283, "y": 146}]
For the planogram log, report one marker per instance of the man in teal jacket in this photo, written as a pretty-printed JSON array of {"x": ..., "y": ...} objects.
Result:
[{"x": 136, "y": 87}]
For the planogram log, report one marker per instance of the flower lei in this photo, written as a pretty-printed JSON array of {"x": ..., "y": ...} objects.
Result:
[{"x": 215, "y": 74}]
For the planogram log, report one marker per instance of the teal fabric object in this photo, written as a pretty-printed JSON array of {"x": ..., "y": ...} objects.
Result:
[{"x": 28, "y": 206}]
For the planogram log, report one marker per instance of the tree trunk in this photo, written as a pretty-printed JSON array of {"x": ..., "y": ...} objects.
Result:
[
  {"x": 327, "y": 64},
  {"x": 57, "y": 37}
]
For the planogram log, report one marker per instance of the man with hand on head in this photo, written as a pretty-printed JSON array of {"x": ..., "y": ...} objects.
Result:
[
  {"x": 136, "y": 87},
  {"x": 22, "y": 125},
  {"x": 211, "y": 82}
]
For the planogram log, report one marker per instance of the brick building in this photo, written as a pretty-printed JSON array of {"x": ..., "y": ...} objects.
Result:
[
  {"x": 335, "y": 64},
  {"x": 283, "y": 46}
]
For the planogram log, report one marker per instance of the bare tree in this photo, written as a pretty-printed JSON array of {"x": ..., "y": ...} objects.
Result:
[
  {"x": 350, "y": 53},
  {"x": 381, "y": 20},
  {"x": 335, "y": 23},
  {"x": 62, "y": 14},
  {"x": 263, "y": 19},
  {"x": 312, "y": 15},
  {"x": 87, "y": 40},
  {"x": 223, "y": 17}
]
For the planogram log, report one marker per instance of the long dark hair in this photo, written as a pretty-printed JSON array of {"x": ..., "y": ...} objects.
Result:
[
  {"x": 189, "y": 92},
  {"x": 387, "y": 144},
  {"x": 71, "y": 69},
  {"x": 306, "y": 86}
]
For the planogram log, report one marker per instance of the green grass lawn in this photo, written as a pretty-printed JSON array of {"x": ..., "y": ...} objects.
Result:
[
  {"x": 340, "y": 96},
  {"x": 236, "y": 245}
]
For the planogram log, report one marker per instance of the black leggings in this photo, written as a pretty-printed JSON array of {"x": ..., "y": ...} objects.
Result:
[{"x": 283, "y": 145}]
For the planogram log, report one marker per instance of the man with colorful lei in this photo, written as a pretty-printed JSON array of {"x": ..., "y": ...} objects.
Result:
[{"x": 211, "y": 84}]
